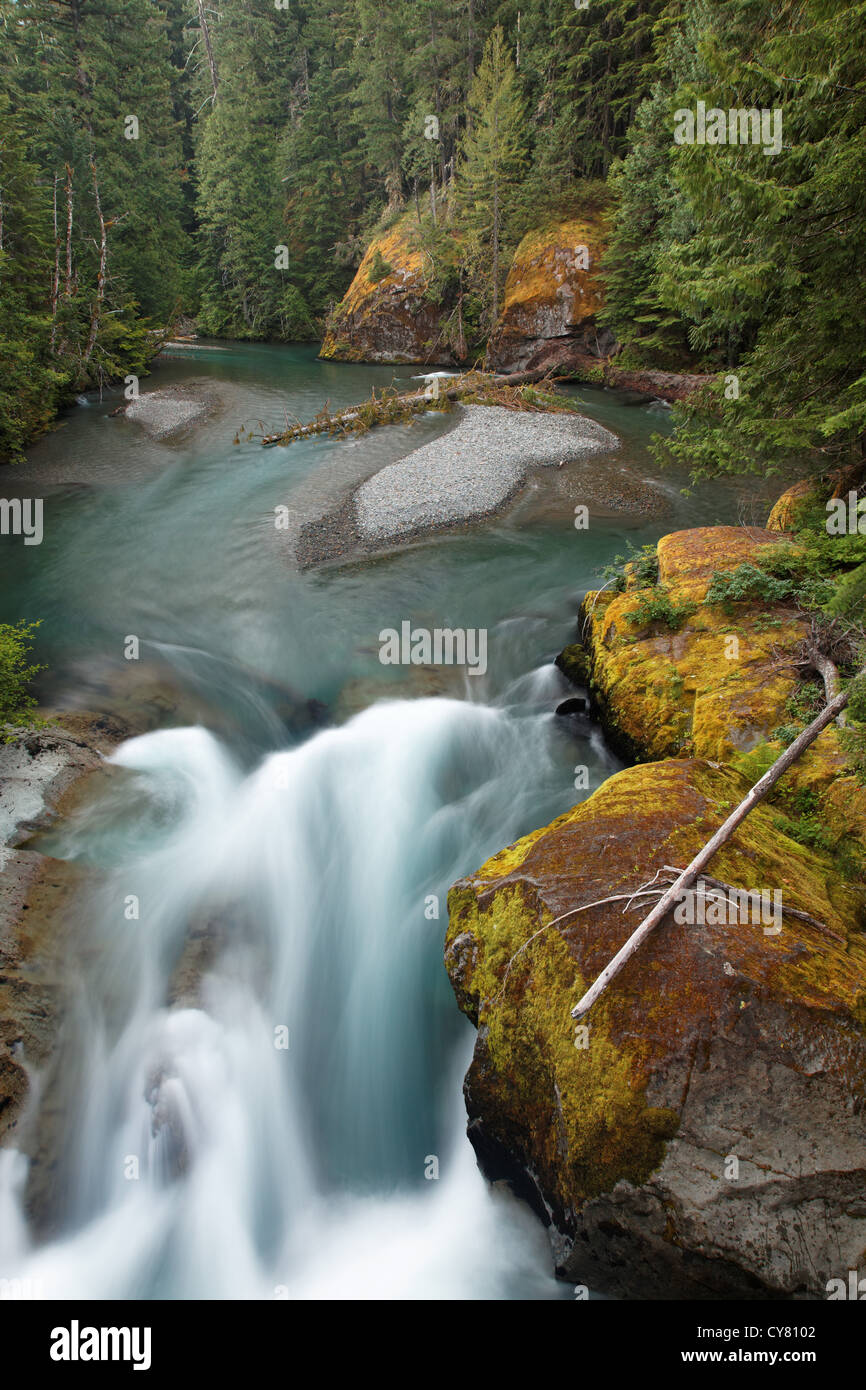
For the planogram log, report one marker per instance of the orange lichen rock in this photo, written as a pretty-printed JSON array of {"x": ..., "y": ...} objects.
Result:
[
  {"x": 714, "y": 687},
  {"x": 783, "y": 516},
  {"x": 386, "y": 317},
  {"x": 553, "y": 295}
]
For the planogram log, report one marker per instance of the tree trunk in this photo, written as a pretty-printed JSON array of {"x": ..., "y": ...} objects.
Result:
[
  {"x": 437, "y": 95},
  {"x": 208, "y": 46},
  {"x": 461, "y": 336},
  {"x": 419, "y": 399},
  {"x": 68, "y": 287},
  {"x": 100, "y": 274},
  {"x": 826, "y": 669},
  {"x": 55, "y": 283},
  {"x": 721, "y": 837},
  {"x": 495, "y": 256}
]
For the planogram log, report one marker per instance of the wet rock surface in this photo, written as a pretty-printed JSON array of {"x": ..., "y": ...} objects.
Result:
[
  {"x": 385, "y": 315},
  {"x": 553, "y": 295},
  {"x": 42, "y": 773}
]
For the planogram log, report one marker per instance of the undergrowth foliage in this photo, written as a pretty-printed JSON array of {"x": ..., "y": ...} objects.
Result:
[{"x": 17, "y": 670}]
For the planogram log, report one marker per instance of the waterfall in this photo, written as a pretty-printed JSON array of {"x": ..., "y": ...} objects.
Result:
[{"x": 264, "y": 1053}]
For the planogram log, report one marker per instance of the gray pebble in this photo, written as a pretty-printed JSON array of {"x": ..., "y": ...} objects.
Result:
[{"x": 472, "y": 470}]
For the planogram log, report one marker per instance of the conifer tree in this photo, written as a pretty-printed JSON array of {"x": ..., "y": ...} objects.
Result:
[
  {"x": 773, "y": 278},
  {"x": 492, "y": 159},
  {"x": 30, "y": 384}
]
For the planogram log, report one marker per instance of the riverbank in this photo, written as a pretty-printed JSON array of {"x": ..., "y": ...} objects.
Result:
[{"x": 43, "y": 775}]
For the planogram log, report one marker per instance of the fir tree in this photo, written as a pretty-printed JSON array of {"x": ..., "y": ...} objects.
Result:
[{"x": 492, "y": 159}]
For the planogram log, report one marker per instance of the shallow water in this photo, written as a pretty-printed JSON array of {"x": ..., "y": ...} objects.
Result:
[{"x": 197, "y": 1156}]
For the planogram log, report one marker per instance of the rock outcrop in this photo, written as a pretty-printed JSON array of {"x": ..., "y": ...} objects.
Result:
[
  {"x": 385, "y": 315},
  {"x": 700, "y": 1133},
  {"x": 550, "y": 317},
  {"x": 715, "y": 686},
  {"x": 783, "y": 517},
  {"x": 553, "y": 295},
  {"x": 703, "y": 1137},
  {"x": 42, "y": 772}
]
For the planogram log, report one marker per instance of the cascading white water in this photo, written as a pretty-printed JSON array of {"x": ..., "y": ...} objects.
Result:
[{"x": 203, "y": 1160}]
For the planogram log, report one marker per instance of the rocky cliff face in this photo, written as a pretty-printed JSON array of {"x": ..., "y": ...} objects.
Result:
[
  {"x": 385, "y": 315},
  {"x": 549, "y": 321},
  {"x": 553, "y": 295},
  {"x": 549, "y": 318},
  {"x": 702, "y": 1136}
]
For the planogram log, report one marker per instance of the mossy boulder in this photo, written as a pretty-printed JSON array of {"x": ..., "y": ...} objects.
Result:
[
  {"x": 789, "y": 507},
  {"x": 387, "y": 317},
  {"x": 715, "y": 1043},
  {"x": 713, "y": 687},
  {"x": 553, "y": 296},
  {"x": 574, "y": 664}
]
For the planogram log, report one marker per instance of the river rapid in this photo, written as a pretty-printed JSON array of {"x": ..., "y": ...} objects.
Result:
[{"x": 258, "y": 1092}]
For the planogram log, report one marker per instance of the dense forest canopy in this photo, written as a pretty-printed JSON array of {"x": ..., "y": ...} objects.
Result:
[{"x": 232, "y": 161}]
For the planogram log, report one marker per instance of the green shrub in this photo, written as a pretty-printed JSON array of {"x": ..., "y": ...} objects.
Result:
[
  {"x": 754, "y": 764},
  {"x": 786, "y": 733},
  {"x": 807, "y": 830},
  {"x": 849, "y": 600},
  {"x": 378, "y": 268},
  {"x": 656, "y": 606},
  {"x": 853, "y": 736},
  {"x": 16, "y": 672},
  {"x": 642, "y": 565},
  {"x": 806, "y": 702},
  {"x": 747, "y": 584}
]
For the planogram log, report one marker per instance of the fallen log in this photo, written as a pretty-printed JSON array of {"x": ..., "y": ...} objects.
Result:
[
  {"x": 397, "y": 407},
  {"x": 829, "y": 673},
  {"x": 687, "y": 877},
  {"x": 650, "y": 890}
]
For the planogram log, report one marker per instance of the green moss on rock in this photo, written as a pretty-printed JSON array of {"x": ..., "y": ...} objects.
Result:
[{"x": 583, "y": 1118}]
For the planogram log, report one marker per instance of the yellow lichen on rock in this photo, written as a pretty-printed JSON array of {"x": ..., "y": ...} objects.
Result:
[
  {"x": 746, "y": 1038},
  {"x": 584, "y": 1110},
  {"x": 553, "y": 294},
  {"x": 714, "y": 687},
  {"x": 388, "y": 319},
  {"x": 784, "y": 514}
]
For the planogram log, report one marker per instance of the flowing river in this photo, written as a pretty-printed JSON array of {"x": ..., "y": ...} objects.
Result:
[{"x": 259, "y": 1083}]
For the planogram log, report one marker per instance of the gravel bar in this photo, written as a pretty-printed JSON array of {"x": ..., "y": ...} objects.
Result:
[
  {"x": 471, "y": 471},
  {"x": 164, "y": 412}
]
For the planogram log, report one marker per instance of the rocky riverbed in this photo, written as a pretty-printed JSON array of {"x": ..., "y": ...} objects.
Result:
[{"x": 42, "y": 775}]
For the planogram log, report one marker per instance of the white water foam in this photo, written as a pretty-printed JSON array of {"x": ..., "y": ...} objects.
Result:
[{"x": 210, "y": 1163}]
